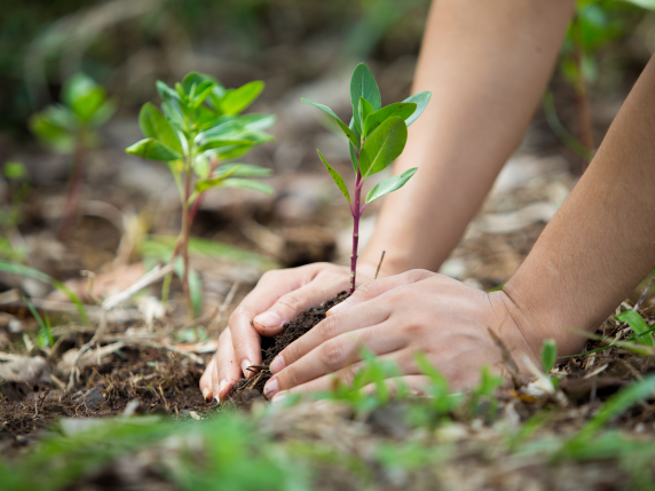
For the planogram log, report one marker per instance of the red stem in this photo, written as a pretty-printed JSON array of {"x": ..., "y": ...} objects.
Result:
[
  {"x": 73, "y": 193},
  {"x": 356, "y": 210}
]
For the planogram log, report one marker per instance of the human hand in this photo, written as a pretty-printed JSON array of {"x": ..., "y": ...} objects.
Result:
[
  {"x": 394, "y": 318},
  {"x": 278, "y": 298}
]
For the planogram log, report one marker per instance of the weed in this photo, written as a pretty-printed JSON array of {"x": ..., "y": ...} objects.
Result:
[
  {"x": 199, "y": 128},
  {"x": 376, "y": 137}
]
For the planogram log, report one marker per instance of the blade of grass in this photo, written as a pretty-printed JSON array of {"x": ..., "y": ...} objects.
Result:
[{"x": 22, "y": 270}]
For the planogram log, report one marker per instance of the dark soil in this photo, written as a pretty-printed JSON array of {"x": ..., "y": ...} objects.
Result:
[{"x": 249, "y": 390}]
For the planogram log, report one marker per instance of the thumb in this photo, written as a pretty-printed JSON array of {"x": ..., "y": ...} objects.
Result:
[{"x": 375, "y": 288}]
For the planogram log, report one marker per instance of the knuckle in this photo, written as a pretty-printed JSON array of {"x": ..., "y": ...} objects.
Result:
[
  {"x": 333, "y": 353},
  {"x": 293, "y": 301}
]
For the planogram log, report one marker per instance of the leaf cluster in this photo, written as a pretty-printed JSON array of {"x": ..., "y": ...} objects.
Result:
[
  {"x": 376, "y": 135},
  {"x": 84, "y": 108},
  {"x": 200, "y": 121}
]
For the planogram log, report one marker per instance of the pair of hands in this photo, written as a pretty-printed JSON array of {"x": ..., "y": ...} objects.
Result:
[{"x": 393, "y": 317}]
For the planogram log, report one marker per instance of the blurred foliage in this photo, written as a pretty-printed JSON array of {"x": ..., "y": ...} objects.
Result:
[{"x": 42, "y": 44}]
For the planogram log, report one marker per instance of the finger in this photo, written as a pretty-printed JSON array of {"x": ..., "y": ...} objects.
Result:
[
  {"x": 407, "y": 385},
  {"x": 206, "y": 380},
  {"x": 289, "y": 305},
  {"x": 329, "y": 328},
  {"x": 245, "y": 338},
  {"x": 402, "y": 361},
  {"x": 376, "y": 288},
  {"x": 227, "y": 370},
  {"x": 336, "y": 354}
]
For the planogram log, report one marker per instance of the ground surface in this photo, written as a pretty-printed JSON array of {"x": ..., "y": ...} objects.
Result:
[{"x": 147, "y": 361}]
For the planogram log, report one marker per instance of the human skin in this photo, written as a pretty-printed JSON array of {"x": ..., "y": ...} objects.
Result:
[
  {"x": 597, "y": 249},
  {"x": 486, "y": 64}
]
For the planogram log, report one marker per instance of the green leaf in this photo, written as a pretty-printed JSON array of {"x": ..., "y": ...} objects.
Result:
[
  {"x": 548, "y": 355},
  {"x": 617, "y": 404},
  {"x": 421, "y": 100},
  {"x": 201, "y": 93},
  {"x": 44, "y": 337},
  {"x": 19, "y": 269},
  {"x": 237, "y": 182},
  {"x": 56, "y": 127},
  {"x": 362, "y": 84},
  {"x": 390, "y": 185},
  {"x": 83, "y": 96},
  {"x": 242, "y": 170},
  {"x": 214, "y": 143},
  {"x": 166, "y": 93},
  {"x": 638, "y": 325},
  {"x": 154, "y": 125},
  {"x": 398, "y": 109},
  {"x": 347, "y": 131},
  {"x": 15, "y": 170},
  {"x": 364, "y": 108},
  {"x": 255, "y": 121},
  {"x": 383, "y": 146},
  {"x": 152, "y": 149},
  {"x": 644, "y": 4},
  {"x": 335, "y": 177},
  {"x": 222, "y": 182},
  {"x": 103, "y": 114},
  {"x": 236, "y": 100},
  {"x": 161, "y": 247}
]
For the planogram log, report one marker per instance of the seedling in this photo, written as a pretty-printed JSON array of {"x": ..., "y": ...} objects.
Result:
[
  {"x": 595, "y": 25},
  {"x": 71, "y": 128},
  {"x": 198, "y": 128},
  {"x": 376, "y": 137}
]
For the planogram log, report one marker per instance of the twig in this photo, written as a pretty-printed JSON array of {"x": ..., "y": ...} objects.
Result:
[
  {"x": 643, "y": 296},
  {"x": 509, "y": 362},
  {"x": 229, "y": 298},
  {"x": 151, "y": 277},
  {"x": 377, "y": 271}
]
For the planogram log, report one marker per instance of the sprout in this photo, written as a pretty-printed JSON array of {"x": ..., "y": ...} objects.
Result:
[{"x": 376, "y": 137}]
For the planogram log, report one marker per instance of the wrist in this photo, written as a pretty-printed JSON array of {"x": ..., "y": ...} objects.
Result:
[{"x": 536, "y": 325}]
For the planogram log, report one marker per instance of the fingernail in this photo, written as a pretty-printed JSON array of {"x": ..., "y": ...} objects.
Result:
[
  {"x": 205, "y": 393},
  {"x": 277, "y": 365},
  {"x": 277, "y": 398},
  {"x": 221, "y": 388},
  {"x": 271, "y": 388},
  {"x": 269, "y": 319},
  {"x": 244, "y": 367}
]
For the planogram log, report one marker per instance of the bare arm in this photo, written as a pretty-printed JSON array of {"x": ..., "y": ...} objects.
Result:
[
  {"x": 487, "y": 64},
  {"x": 601, "y": 243},
  {"x": 598, "y": 247}
]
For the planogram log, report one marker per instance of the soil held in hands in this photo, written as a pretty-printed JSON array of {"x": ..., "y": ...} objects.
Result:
[{"x": 249, "y": 390}]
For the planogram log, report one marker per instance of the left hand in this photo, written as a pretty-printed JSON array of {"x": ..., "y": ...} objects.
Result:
[{"x": 394, "y": 318}]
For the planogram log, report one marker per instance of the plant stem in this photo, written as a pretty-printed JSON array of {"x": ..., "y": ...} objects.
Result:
[
  {"x": 356, "y": 210},
  {"x": 73, "y": 193},
  {"x": 184, "y": 242},
  {"x": 582, "y": 95},
  {"x": 198, "y": 201}
]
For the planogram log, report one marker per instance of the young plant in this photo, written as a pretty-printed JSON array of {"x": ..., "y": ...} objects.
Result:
[
  {"x": 376, "y": 137},
  {"x": 71, "y": 128},
  {"x": 198, "y": 128},
  {"x": 596, "y": 24}
]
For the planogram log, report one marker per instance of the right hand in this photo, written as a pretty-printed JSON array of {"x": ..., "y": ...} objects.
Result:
[{"x": 278, "y": 298}]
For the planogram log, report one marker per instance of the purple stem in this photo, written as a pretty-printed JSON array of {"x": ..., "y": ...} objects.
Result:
[{"x": 356, "y": 210}]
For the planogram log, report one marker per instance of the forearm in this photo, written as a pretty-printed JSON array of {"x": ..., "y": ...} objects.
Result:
[
  {"x": 486, "y": 64},
  {"x": 601, "y": 243}
]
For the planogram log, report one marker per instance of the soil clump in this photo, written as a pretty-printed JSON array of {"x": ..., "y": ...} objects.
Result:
[{"x": 249, "y": 390}]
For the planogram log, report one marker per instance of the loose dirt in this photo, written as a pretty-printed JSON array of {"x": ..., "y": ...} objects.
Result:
[{"x": 249, "y": 390}]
